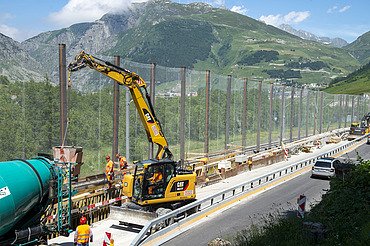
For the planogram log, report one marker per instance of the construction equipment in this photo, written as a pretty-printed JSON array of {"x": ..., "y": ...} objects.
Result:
[
  {"x": 359, "y": 128},
  {"x": 173, "y": 186},
  {"x": 28, "y": 191}
]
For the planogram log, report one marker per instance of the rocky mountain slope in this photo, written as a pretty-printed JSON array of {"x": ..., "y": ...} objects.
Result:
[
  {"x": 335, "y": 42},
  {"x": 197, "y": 36},
  {"x": 16, "y": 63},
  {"x": 360, "y": 48}
]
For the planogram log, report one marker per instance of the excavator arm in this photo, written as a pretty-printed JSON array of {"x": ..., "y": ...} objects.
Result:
[{"x": 136, "y": 86}]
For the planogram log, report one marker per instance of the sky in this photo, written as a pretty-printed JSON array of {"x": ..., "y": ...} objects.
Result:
[{"x": 22, "y": 19}]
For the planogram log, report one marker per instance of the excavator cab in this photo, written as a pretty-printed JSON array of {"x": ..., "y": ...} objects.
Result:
[{"x": 158, "y": 182}]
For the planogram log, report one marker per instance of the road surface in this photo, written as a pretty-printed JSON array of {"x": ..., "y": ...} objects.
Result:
[{"x": 280, "y": 200}]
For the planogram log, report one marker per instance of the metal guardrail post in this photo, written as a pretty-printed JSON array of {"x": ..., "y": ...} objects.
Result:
[
  {"x": 258, "y": 143},
  {"x": 117, "y": 62},
  {"x": 152, "y": 98},
  {"x": 291, "y": 114},
  {"x": 245, "y": 113},
  {"x": 182, "y": 114},
  {"x": 206, "y": 127},
  {"x": 300, "y": 113},
  {"x": 227, "y": 113},
  {"x": 270, "y": 114},
  {"x": 63, "y": 93},
  {"x": 321, "y": 111}
]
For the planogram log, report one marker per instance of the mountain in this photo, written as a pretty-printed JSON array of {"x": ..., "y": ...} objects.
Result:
[
  {"x": 357, "y": 82},
  {"x": 194, "y": 35},
  {"x": 360, "y": 48},
  {"x": 16, "y": 63},
  {"x": 335, "y": 42}
]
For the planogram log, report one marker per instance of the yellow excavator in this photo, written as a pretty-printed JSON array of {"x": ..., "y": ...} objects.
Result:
[
  {"x": 156, "y": 184},
  {"x": 359, "y": 128}
]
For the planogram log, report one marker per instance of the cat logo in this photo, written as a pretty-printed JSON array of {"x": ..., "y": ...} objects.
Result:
[{"x": 148, "y": 116}]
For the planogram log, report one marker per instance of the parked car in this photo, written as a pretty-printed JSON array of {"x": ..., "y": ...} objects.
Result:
[{"x": 324, "y": 167}]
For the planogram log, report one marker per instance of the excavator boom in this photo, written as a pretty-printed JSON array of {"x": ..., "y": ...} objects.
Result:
[{"x": 137, "y": 86}]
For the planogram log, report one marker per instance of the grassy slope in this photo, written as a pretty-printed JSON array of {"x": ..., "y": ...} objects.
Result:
[
  {"x": 357, "y": 82},
  {"x": 360, "y": 48},
  {"x": 217, "y": 40}
]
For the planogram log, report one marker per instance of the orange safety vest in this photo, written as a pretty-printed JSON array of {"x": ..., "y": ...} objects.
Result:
[
  {"x": 122, "y": 162},
  {"x": 109, "y": 167},
  {"x": 157, "y": 176},
  {"x": 83, "y": 233}
]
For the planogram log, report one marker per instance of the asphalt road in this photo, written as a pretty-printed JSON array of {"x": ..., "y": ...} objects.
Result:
[{"x": 280, "y": 200}]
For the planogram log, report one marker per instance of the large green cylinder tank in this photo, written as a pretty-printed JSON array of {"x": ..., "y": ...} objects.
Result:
[{"x": 23, "y": 184}]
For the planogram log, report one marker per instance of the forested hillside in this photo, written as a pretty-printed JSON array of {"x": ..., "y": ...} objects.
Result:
[{"x": 357, "y": 82}]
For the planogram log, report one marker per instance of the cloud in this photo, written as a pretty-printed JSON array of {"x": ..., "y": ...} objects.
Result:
[
  {"x": 332, "y": 9},
  {"x": 290, "y": 18},
  {"x": 345, "y": 8},
  {"x": 239, "y": 9},
  {"x": 9, "y": 31},
  {"x": 6, "y": 16},
  {"x": 336, "y": 9},
  {"x": 76, "y": 11}
]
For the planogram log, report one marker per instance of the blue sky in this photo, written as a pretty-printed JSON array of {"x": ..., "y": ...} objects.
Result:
[{"x": 21, "y": 19}]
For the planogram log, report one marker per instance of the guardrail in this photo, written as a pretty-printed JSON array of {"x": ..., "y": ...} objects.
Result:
[{"x": 168, "y": 222}]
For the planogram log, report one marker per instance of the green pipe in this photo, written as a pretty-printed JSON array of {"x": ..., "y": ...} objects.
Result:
[{"x": 23, "y": 184}]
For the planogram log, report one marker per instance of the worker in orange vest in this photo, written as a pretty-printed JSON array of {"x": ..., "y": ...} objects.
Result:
[
  {"x": 122, "y": 162},
  {"x": 109, "y": 171},
  {"x": 83, "y": 233},
  {"x": 154, "y": 180}
]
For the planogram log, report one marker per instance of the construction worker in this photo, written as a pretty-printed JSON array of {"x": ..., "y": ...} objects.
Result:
[
  {"x": 154, "y": 180},
  {"x": 250, "y": 163},
  {"x": 122, "y": 162},
  {"x": 83, "y": 233},
  {"x": 109, "y": 171}
]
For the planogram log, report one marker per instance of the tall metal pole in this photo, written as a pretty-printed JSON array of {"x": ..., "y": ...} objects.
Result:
[
  {"x": 300, "y": 113},
  {"x": 258, "y": 143},
  {"x": 63, "y": 93},
  {"x": 307, "y": 110},
  {"x": 245, "y": 113},
  {"x": 346, "y": 110},
  {"x": 291, "y": 114},
  {"x": 206, "y": 129},
  {"x": 271, "y": 114},
  {"x": 152, "y": 98},
  {"x": 227, "y": 113},
  {"x": 117, "y": 62},
  {"x": 182, "y": 114},
  {"x": 315, "y": 113},
  {"x": 127, "y": 124},
  {"x": 282, "y": 124},
  {"x": 352, "y": 108},
  {"x": 358, "y": 109},
  {"x": 321, "y": 111},
  {"x": 340, "y": 111}
]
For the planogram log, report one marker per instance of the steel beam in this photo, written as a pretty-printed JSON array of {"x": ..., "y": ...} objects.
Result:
[
  {"x": 227, "y": 113},
  {"x": 258, "y": 140},
  {"x": 206, "y": 127},
  {"x": 271, "y": 114},
  {"x": 245, "y": 113},
  {"x": 63, "y": 94},
  {"x": 152, "y": 98},
  {"x": 291, "y": 114},
  {"x": 117, "y": 62},
  {"x": 182, "y": 114}
]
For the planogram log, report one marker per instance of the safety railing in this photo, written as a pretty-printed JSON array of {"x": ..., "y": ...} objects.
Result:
[{"x": 167, "y": 222}]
